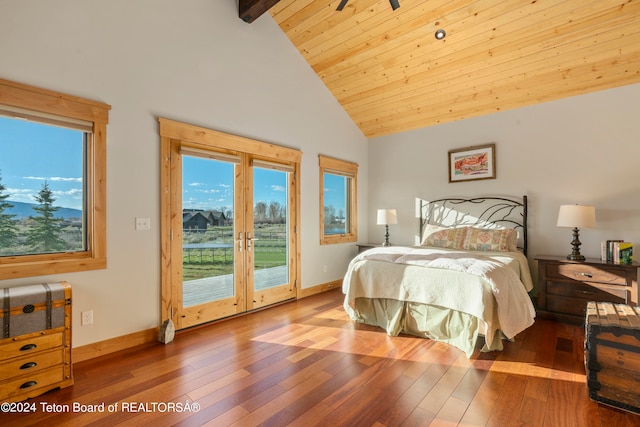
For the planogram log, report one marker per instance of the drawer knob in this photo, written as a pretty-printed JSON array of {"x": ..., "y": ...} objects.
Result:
[
  {"x": 29, "y": 384},
  {"x": 29, "y": 365},
  {"x": 28, "y": 347}
]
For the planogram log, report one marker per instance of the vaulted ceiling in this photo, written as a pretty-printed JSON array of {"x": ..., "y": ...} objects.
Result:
[{"x": 391, "y": 74}]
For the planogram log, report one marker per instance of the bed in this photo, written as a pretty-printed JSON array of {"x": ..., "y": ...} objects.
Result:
[{"x": 466, "y": 282}]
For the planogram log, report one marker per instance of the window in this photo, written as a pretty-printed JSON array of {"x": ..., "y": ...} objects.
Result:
[
  {"x": 52, "y": 182},
  {"x": 338, "y": 201}
]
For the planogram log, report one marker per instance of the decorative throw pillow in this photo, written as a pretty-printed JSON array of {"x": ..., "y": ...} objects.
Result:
[
  {"x": 441, "y": 237},
  {"x": 512, "y": 241},
  {"x": 429, "y": 229},
  {"x": 478, "y": 239}
]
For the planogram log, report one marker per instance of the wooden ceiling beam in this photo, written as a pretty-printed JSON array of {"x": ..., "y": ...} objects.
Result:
[{"x": 250, "y": 10}]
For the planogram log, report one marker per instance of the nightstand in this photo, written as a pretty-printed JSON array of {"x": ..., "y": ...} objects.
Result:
[
  {"x": 565, "y": 287},
  {"x": 364, "y": 246}
]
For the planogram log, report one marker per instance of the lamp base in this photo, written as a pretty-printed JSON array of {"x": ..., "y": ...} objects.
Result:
[
  {"x": 575, "y": 244},
  {"x": 386, "y": 236},
  {"x": 574, "y": 257}
]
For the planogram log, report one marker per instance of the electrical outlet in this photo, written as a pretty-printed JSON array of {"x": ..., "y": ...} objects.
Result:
[
  {"x": 87, "y": 317},
  {"x": 324, "y": 268}
]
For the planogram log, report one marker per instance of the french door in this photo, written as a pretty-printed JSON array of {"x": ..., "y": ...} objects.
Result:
[{"x": 232, "y": 244}]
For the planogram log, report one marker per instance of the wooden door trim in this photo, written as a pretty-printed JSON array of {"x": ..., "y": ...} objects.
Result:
[
  {"x": 208, "y": 139},
  {"x": 213, "y": 138}
]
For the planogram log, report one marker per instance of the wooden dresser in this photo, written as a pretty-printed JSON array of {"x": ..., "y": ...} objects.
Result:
[
  {"x": 565, "y": 287},
  {"x": 35, "y": 349}
]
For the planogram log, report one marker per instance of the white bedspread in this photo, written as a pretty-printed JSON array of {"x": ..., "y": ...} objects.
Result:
[{"x": 492, "y": 287}]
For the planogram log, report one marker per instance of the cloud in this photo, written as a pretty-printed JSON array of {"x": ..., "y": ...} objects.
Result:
[
  {"x": 19, "y": 191},
  {"x": 20, "y": 194},
  {"x": 72, "y": 192},
  {"x": 53, "y": 178},
  {"x": 278, "y": 188}
]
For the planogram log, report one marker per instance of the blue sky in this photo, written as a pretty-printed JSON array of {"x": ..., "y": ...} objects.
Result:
[
  {"x": 335, "y": 192},
  {"x": 207, "y": 184},
  {"x": 32, "y": 154}
]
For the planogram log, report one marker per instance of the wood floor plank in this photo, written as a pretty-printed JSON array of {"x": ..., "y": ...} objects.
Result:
[
  {"x": 450, "y": 413},
  {"x": 445, "y": 386},
  {"x": 509, "y": 401},
  {"x": 305, "y": 363}
]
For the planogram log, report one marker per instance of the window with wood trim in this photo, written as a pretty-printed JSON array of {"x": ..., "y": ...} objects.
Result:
[
  {"x": 338, "y": 201},
  {"x": 52, "y": 182}
]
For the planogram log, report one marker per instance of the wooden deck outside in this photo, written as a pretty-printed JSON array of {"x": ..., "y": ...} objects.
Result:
[{"x": 199, "y": 291}]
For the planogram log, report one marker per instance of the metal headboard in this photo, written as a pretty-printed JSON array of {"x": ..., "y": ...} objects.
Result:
[{"x": 482, "y": 212}]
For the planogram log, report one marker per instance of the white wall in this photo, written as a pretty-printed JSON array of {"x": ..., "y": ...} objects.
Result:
[
  {"x": 581, "y": 150},
  {"x": 188, "y": 60}
]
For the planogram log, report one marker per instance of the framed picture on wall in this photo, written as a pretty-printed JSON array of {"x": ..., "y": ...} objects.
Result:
[{"x": 472, "y": 163}]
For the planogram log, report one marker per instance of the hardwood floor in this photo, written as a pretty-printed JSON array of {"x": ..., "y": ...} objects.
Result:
[{"x": 304, "y": 363}]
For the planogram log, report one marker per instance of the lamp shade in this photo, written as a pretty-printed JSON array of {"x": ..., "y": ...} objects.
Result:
[
  {"x": 387, "y": 216},
  {"x": 579, "y": 216}
]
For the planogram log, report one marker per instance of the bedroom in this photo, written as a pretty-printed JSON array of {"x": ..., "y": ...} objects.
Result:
[{"x": 132, "y": 57}]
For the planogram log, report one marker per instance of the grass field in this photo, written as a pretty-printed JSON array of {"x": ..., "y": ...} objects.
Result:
[{"x": 269, "y": 246}]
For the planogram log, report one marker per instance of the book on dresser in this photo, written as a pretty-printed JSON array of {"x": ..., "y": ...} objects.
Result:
[
  {"x": 625, "y": 252},
  {"x": 616, "y": 251}
]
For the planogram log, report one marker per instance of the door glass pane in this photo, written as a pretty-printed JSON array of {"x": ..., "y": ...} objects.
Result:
[
  {"x": 207, "y": 230},
  {"x": 270, "y": 225}
]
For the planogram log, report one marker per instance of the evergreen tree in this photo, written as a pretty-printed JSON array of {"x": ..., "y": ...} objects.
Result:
[
  {"x": 8, "y": 228},
  {"x": 44, "y": 236}
]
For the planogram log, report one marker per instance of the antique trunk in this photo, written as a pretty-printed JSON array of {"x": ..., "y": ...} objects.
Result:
[
  {"x": 35, "y": 340},
  {"x": 612, "y": 354}
]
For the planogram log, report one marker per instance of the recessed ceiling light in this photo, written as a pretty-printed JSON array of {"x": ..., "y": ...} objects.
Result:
[{"x": 440, "y": 34}]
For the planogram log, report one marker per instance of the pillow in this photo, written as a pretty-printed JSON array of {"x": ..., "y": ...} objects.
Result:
[
  {"x": 443, "y": 237},
  {"x": 479, "y": 239},
  {"x": 429, "y": 229}
]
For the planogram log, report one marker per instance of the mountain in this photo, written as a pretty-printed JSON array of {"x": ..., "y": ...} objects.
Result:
[{"x": 24, "y": 210}]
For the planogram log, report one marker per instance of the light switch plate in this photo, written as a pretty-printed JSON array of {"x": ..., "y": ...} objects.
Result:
[{"x": 143, "y": 223}]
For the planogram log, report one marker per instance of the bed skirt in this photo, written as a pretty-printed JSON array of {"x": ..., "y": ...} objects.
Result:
[{"x": 426, "y": 321}]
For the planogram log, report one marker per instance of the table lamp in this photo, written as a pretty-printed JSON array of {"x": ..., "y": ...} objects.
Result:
[
  {"x": 386, "y": 217},
  {"x": 576, "y": 216}
]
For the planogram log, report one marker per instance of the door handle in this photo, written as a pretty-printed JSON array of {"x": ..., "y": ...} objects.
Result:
[{"x": 249, "y": 240}]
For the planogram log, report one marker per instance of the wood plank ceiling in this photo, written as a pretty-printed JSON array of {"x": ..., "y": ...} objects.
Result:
[{"x": 391, "y": 74}]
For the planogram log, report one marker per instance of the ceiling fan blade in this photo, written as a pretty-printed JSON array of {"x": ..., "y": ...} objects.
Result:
[
  {"x": 342, "y": 4},
  {"x": 394, "y": 4}
]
